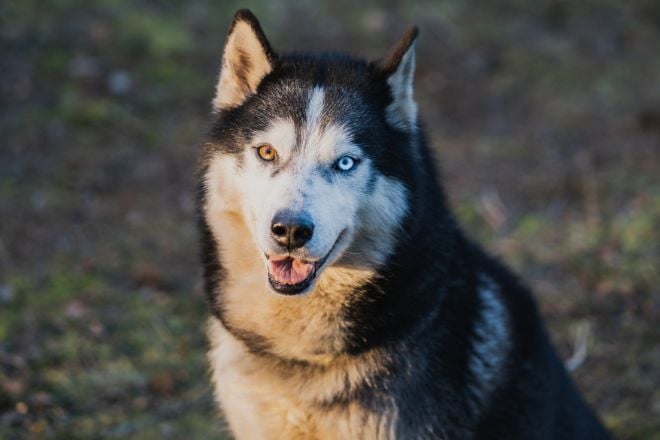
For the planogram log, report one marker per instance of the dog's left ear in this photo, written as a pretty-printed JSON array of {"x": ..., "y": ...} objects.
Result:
[
  {"x": 246, "y": 60},
  {"x": 399, "y": 69}
]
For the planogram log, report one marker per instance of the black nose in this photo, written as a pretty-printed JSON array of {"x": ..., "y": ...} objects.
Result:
[{"x": 291, "y": 230}]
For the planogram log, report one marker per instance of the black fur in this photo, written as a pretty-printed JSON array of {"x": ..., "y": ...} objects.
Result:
[{"x": 425, "y": 302}]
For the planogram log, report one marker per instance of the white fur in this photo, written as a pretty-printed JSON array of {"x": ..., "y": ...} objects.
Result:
[
  {"x": 492, "y": 345},
  {"x": 242, "y": 201},
  {"x": 402, "y": 112},
  {"x": 313, "y": 114},
  {"x": 260, "y": 400},
  {"x": 335, "y": 205}
]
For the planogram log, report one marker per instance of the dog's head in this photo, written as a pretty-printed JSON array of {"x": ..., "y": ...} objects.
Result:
[{"x": 308, "y": 155}]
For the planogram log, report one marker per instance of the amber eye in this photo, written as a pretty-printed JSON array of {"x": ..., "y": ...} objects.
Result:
[{"x": 267, "y": 152}]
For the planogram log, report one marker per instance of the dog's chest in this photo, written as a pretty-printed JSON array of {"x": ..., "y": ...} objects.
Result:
[{"x": 259, "y": 403}]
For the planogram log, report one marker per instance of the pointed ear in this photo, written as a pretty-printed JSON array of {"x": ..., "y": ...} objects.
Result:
[
  {"x": 247, "y": 58},
  {"x": 399, "y": 69}
]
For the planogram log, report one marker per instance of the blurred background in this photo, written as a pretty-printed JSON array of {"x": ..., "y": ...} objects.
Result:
[{"x": 545, "y": 117}]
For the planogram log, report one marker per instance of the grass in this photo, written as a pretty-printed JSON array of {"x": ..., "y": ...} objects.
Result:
[
  {"x": 545, "y": 116},
  {"x": 103, "y": 362}
]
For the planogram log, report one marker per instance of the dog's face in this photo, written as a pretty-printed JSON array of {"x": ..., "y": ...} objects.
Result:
[{"x": 305, "y": 157}]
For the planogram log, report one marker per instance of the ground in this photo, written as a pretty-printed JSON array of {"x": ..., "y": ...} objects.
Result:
[{"x": 545, "y": 117}]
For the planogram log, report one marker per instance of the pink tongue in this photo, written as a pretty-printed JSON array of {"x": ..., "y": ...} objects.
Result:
[{"x": 290, "y": 270}]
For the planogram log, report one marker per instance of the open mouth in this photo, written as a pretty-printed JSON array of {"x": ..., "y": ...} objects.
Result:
[{"x": 290, "y": 275}]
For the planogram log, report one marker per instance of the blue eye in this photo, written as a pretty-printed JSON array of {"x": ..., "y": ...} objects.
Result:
[{"x": 345, "y": 163}]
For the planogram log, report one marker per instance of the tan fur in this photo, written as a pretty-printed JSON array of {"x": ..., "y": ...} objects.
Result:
[
  {"x": 287, "y": 389},
  {"x": 242, "y": 45},
  {"x": 304, "y": 328},
  {"x": 260, "y": 397},
  {"x": 263, "y": 400}
]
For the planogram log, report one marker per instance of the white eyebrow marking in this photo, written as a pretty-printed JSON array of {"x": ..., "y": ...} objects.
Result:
[
  {"x": 314, "y": 109},
  {"x": 322, "y": 144}
]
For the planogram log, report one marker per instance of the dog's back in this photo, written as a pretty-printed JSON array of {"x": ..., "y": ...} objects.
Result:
[
  {"x": 347, "y": 303},
  {"x": 536, "y": 398}
]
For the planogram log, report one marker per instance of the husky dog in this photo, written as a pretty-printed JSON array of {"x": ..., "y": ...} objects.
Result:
[{"x": 346, "y": 301}]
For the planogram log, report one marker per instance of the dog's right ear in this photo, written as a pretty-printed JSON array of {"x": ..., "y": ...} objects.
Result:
[
  {"x": 247, "y": 58},
  {"x": 399, "y": 69}
]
